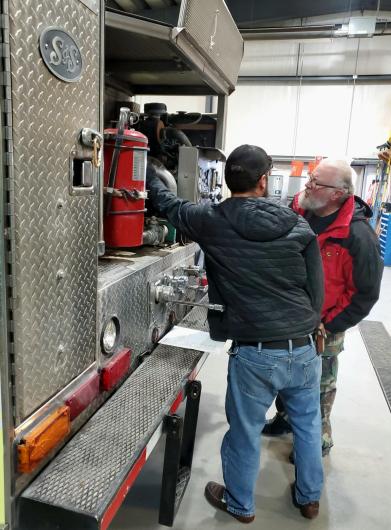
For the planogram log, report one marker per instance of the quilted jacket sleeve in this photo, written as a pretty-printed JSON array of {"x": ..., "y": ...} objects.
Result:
[
  {"x": 366, "y": 275},
  {"x": 184, "y": 215},
  {"x": 314, "y": 285}
]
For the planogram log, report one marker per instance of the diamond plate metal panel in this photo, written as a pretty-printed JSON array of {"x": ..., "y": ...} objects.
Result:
[
  {"x": 197, "y": 318},
  {"x": 124, "y": 292},
  {"x": 211, "y": 26},
  {"x": 54, "y": 234},
  {"x": 91, "y": 4},
  {"x": 86, "y": 474}
]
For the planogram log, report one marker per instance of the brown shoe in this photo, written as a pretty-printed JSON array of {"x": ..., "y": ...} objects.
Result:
[
  {"x": 309, "y": 510},
  {"x": 214, "y": 495}
]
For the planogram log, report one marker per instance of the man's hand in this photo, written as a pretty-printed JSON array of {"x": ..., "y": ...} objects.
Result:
[
  {"x": 322, "y": 330},
  {"x": 320, "y": 337}
]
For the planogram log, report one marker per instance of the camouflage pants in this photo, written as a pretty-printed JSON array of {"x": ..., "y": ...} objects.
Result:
[{"x": 328, "y": 386}]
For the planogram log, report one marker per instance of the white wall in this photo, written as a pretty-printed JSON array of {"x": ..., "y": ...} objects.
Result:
[
  {"x": 296, "y": 119},
  {"x": 325, "y": 56},
  {"x": 311, "y": 120},
  {"x": 262, "y": 116}
]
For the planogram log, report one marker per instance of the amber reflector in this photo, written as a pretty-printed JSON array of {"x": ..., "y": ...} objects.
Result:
[{"x": 36, "y": 445}]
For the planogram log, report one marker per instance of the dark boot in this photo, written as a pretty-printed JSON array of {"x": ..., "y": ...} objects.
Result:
[
  {"x": 214, "y": 494},
  {"x": 309, "y": 510},
  {"x": 276, "y": 426}
]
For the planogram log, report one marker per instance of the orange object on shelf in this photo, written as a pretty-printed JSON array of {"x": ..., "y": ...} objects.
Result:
[
  {"x": 311, "y": 166},
  {"x": 297, "y": 168},
  {"x": 38, "y": 443},
  {"x": 313, "y": 163}
]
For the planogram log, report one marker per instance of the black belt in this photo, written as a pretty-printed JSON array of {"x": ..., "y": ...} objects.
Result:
[{"x": 277, "y": 344}]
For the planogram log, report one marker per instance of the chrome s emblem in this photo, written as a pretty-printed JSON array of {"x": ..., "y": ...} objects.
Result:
[{"x": 61, "y": 54}]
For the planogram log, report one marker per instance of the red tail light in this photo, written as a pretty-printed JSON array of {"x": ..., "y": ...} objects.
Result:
[
  {"x": 115, "y": 370},
  {"x": 83, "y": 395}
]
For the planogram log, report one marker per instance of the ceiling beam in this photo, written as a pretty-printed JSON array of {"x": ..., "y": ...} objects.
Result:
[
  {"x": 249, "y": 13},
  {"x": 253, "y": 13}
]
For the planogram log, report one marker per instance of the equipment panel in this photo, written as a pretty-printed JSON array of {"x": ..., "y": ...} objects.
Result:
[{"x": 125, "y": 294}]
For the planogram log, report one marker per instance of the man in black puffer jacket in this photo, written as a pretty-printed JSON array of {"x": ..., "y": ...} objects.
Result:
[{"x": 263, "y": 265}]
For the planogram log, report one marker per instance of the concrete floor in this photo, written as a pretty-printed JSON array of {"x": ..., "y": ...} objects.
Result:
[{"x": 357, "y": 472}]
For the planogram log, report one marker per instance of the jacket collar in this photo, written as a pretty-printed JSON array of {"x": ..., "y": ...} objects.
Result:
[{"x": 340, "y": 227}]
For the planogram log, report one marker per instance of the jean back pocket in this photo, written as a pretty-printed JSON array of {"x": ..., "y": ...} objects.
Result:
[
  {"x": 312, "y": 371},
  {"x": 253, "y": 377}
]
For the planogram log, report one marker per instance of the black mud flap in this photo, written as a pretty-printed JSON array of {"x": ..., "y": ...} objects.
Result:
[{"x": 178, "y": 456}]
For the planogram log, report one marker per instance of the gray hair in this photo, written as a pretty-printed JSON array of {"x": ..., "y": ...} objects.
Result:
[{"x": 344, "y": 174}]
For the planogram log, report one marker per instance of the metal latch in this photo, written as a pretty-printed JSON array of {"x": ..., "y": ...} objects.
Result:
[
  {"x": 85, "y": 159},
  {"x": 93, "y": 139}
]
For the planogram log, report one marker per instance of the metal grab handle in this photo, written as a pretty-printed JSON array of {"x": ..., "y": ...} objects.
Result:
[{"x": 212, "y": 307}]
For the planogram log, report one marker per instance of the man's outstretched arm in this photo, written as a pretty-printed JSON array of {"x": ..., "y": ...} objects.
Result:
[{"x": 184, "y": 215}]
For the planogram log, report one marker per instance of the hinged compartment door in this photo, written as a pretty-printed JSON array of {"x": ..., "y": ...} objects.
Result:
[{"x": 53, "y": 210}]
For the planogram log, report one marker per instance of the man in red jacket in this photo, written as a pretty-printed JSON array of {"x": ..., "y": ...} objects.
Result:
[{"x": 352, "y": 268}]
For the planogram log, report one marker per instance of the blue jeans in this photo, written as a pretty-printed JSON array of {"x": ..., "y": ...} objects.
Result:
[{"x": 255, "y": 376}]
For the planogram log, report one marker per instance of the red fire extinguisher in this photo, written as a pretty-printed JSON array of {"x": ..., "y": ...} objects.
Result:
[{"x": 125, "y": 160}]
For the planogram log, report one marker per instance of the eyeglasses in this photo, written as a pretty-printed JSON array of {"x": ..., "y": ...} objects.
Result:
[{"x": 315, "y": 184}]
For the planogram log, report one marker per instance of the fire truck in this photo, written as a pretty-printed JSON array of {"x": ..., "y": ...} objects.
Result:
[{"x": 91, "y": 278}]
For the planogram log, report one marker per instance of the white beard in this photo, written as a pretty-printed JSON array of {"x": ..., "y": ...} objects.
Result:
[{"x": 311, "y": 203}]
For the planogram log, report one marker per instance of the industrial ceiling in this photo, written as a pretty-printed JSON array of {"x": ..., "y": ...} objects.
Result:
[{"x": 257, "y": 13}]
